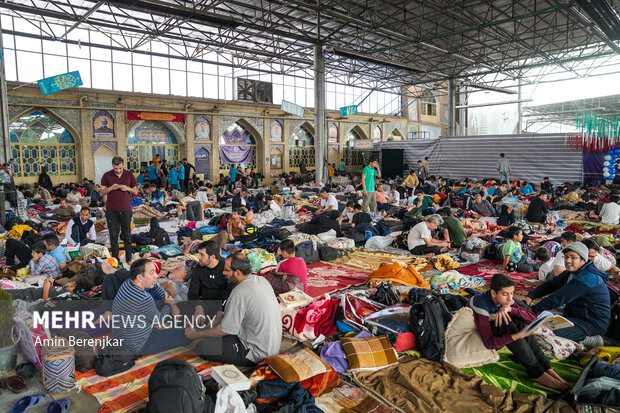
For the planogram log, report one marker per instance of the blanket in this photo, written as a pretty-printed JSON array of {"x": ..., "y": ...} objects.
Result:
[
  {"x": 128, "y": 390},
  {"x": 371, "y": 260},
  {"x": 326, "y": 278},
  {"x": 506, "y": 374},
  {"x": 486, "y": 269},
  {"x": 419, "y": 385},
  {"x": 346, "y": 399},
  {"x": 145, "y": 211}
]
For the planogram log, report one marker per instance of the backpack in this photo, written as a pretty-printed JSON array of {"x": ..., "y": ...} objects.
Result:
[
  {"x": 306, "y": 251},
  {"x": 112, "y": 360},
  {"x": 175, "y": 386},
  {"x": 614, "y": 323},
  {"x": 328, "y": 253},
  {"x": 494, "y": 251},
  {"x": 282, "y": 282},
  {"x": 386, "y": 294},
  {"x": 224, "y": 221},
  {"x": 428, "y": 319}
]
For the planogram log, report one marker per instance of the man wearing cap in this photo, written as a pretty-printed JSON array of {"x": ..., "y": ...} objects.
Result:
[{"x": 581, "y": 289}]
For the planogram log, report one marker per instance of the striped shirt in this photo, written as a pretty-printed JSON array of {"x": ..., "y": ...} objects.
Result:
[
  {"x": 47, "y": 266},
  {"x": 134, "y": 311}
]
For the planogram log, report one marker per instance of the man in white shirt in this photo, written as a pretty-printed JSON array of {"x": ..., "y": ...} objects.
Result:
[
  {"x": 568, "y": 237},
  {"x": 598, "y": 259},
  {"x": 393, "y": 197},
  {"x": 420, "y": 240},
  {"x": 610, "y": 213},
  {"x": 80, "y": 228},
  {"x": 328, "y": 202}
]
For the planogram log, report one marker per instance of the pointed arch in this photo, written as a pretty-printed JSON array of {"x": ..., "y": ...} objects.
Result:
[
  {"x": 140, "y": 152},
  {"x": 104, "y": 150},
  {"x": 244, "y": 123},
  {"x": 77, "y": 138},
  {"x": 358, "y": 131},
  {"x": 395, "y": 135}
]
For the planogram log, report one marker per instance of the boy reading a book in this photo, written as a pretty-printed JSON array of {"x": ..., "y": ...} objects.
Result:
[{"x": 501, "y": 322}]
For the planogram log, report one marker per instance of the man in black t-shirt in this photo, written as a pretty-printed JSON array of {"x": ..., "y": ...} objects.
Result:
[{"x": 360, "y": 216}]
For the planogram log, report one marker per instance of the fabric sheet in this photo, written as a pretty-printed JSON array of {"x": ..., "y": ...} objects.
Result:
[
  {"x": 128, "y": 390},
  {"x": 424, "y": 386},
  {"x": 326, "y": 278},
  {"x": 348, "y": 399},
  {"x": 486, "y": 269}
]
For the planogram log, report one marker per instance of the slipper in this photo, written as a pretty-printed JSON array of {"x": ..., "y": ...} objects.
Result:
[
  {"x": 58, "y": 406},
  {"x": 14, "y": 383},
  {"x": 27, "y": 402}
]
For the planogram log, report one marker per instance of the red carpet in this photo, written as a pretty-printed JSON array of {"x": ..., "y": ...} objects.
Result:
[
  {"x": 326, "y": 278},
  {"x": 487, "y": 268}
]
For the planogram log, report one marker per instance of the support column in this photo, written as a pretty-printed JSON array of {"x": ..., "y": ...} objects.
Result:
[
  {"x": 519, "y": 119},
  {"x": 4, "y": 111},
  {"x": 319, "y": 112},
  {"x": 451, "y": 109}
]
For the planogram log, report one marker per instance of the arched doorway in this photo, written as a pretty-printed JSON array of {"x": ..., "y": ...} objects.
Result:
[
  {"x": 150, "y": 138},
  {"x": 395, "y": 135},
  {"x": 38, "y": 140},
  {"x": 301, "y": 149},
  {"x": 238, "y": 148},
  {"x": 103, "y": 161},
  {"x": 351, "y": 156}
]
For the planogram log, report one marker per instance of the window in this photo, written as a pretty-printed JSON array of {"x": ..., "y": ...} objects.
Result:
[
  {"x": 429, "y": 105},
  {"x": 276, "y": 160},
  {"x": 150, "y": 138},
  {"x": 301, "y": 149},
  {"x": 39, "y": 141}
]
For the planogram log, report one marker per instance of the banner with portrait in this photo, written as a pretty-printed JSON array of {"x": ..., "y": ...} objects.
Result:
[
  {"x": 332, "y": 133},
  {"x": 202, "y": 128},
  {"x": 275, "y": 131},
  {"x": 103, "y": 125},
  {"x": 236, "y": 154}
]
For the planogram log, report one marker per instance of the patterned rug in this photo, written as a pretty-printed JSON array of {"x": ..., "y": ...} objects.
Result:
[
  {"x": 487, "y": 268},
  {"x": 348, "y": 399},
  {"x": 506, "y": 374},
  {"x": 129, "y": 390},
  {"x": 326, "y": 278},
  {"x": 370, "y": 260}
]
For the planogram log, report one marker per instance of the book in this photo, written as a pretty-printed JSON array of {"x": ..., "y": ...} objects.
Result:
[
  {"x": 295, "y": 299},
  {"x": 550, "y": 320},
  {"x": 229, "y": 375}
]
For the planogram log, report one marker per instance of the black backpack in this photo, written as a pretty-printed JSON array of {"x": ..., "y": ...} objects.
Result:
[
  {"x": 307, "y": 252},
  {"x": 112, "y": 360},
  {"x": 328, "y": 253},
  {"x": 428, "y": 319},
  {"x": 175, "y": 386},
  {"x": 614, "y": 323}
]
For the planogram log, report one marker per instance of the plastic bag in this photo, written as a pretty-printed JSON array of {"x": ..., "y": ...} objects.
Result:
[
  {"x": 229, "y": 401},
  {"x": 378, "y": 242}
]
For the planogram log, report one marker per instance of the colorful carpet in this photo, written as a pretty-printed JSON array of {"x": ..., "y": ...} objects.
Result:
[
  {"x": 370, "y": 260},
  {"x": 326, "y": 278},
  {"x": 129, "y": 390},
  {"x": 506, "y": 374},
  {"x": 487, "y": 268}
]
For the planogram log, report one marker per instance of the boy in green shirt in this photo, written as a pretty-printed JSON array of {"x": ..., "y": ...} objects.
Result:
[
  {"x": 368, "y": 184},
  {"x": 514, "y": 259}
]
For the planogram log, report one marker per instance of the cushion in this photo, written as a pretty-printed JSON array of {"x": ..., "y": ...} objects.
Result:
[
  {"x": 297, "y": 366},
  {"x": 369, "y": 353},
  {"x": 464, "y": 346}
]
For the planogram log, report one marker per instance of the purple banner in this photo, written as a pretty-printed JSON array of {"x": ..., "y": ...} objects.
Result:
[
  {"x": 237, "y": 137},
  {"x": 593, "y": 166},
  {"x": 236, "y": 154}
]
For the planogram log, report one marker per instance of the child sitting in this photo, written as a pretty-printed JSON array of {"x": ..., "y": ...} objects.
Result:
[
  {"x": 42, "y": 264},
  {"x": 546, "y": 269},
  {"x": 514, "y": 259},
  {"x": 501, "y": 322}
]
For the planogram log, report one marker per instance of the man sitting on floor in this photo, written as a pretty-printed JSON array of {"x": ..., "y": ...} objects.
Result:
[
  {"x": 65, "y": 211},
  {"x": 328, "y": 202},
  {"x": 482, "y": 207},
  {"x": 292, "y": 264},
  {"x": 583, "y": 292},
  {"x": 80, "y": 228},
  {"x": 500, "y": 322},
  {"x": 54, "y": 249},
  {"x": 537, "y": 211},
  {"x": 250, "y": 328},
  {"x": 421, "y": 241},
  {"x": 135, "y": 301}
]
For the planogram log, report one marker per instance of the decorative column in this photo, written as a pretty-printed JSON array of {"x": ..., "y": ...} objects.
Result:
[{"x": 319, "y": 112}]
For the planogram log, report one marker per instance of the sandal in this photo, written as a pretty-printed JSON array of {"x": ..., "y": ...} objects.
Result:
[
  {"x": 26, "y": 403},
  {"x": 58, "y": 406},
  {"x": 14, "y": 383}
]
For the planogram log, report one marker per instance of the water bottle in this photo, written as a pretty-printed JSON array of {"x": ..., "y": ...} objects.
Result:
[{"x": 368, "y": 235}]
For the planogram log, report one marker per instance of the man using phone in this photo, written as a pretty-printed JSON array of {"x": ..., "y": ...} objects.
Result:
[
  {"x": 119, "y": 185},
  {"x": 501, "y": 322},
  {"x": 368, "y": 184}
]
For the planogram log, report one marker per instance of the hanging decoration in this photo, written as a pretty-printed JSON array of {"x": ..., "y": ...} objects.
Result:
[
  {"x": 609, "y": 166},
  {"x": 598, "y": 133}
]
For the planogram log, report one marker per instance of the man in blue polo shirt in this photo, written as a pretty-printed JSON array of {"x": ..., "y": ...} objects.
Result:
[
  {"x": 55, "y": 250},
  {"x": 181, "y": 170}
]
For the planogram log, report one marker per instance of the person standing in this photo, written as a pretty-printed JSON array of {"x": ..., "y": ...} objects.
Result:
[
  {"x": 181, "y": 171},
  {"x": 163, "y": 174},
  {"x": 156, "y": 160},
  {"x": 232, "y": 172},
  {"x": 152, "y": 173},
  {"x": 503, "y": 167},
  {"x": 188, "y": 167},
  {"x": 425, "y": 163},
  {"x": 341, "y": 167},
  {"x": 119, "y": 185},
  {"x": 368, "y": 184}
]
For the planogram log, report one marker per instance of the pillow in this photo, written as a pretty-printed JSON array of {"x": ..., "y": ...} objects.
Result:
[
  {"x": 297, "y": 366},
  {"x": 464, "y": 346},
  {"x": 369, "y": 353}
]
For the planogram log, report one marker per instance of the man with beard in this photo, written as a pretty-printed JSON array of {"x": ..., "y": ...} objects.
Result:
[{"x": 250, "y": 328}]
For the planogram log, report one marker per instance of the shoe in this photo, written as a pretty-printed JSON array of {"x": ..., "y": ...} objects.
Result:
[
  {"x": 592, "y": 341},
  {"x": 58, "y": 406},
  {"x": 26, "y": 403}
]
